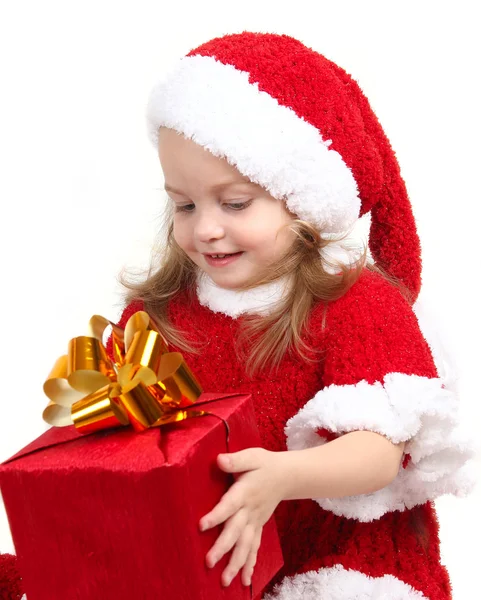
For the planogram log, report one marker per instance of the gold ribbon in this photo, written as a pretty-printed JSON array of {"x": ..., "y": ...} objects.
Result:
[{"x": 145, "y": 385}]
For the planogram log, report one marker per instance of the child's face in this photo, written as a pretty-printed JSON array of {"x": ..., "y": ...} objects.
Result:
[{"x": 240, "y": 219}]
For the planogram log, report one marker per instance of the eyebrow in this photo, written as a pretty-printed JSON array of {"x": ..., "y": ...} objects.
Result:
[{"x": 216, "y": 188}]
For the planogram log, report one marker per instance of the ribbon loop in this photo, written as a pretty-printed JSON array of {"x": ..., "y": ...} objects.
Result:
[
  {"x": 181, "y": 386},
  {"x": 145, "y": 350},
  {"x": 99, "y": 411},
  {"x": 57, "y": 388}
]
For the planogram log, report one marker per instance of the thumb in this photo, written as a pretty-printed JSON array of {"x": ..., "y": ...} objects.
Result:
[{"x": 238, "y": 462}]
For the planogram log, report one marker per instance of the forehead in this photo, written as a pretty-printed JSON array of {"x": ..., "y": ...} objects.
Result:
[
  {"x": 219, "y": 187},
  {"x": 186, "y": 164}
]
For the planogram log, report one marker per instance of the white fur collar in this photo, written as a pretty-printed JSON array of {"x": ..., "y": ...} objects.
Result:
[
  {"x": 233, "y": 303},
  {"x": 262, "y": 299}
]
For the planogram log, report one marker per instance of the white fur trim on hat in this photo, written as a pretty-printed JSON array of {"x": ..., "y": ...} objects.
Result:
[
  {"x": 216, "y": 106},
  {"x": 418, "y": 410},
  {"x": 337, "y": 583}
]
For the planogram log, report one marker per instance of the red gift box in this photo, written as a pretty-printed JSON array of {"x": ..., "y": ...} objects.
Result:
[{"x": 115, "y": 515}]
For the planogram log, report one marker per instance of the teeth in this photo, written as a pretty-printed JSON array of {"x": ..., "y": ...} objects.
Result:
[{"x": 218, "y": 255}]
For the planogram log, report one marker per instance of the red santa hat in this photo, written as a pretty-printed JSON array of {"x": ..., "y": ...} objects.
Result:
[{"x": 298, "y": 125}]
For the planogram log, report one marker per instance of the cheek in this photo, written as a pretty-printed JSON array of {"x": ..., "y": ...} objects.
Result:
[
  {"x": 268, "y": 238},
  {"x": 181, "y": 233}
]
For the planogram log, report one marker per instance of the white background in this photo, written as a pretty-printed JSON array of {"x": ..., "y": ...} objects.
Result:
[{"x": 80, "y": 184}]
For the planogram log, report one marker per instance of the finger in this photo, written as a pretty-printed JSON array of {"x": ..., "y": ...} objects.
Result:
[
  {"x": 248, "y": 569},
  {"x": 245, "y": 460},
  {"x": 230, "y": 534},
  {"x": 239, "y": 555},
  {"x": 231, "y": 502}
]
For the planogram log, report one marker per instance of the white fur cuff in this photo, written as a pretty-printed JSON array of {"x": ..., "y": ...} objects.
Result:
[
  {"x": 337, "y": 583},
  {"x": 418, "y": 410}
]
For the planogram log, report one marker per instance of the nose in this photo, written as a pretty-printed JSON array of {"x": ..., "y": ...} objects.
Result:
[{"x": 208, "y": 227}]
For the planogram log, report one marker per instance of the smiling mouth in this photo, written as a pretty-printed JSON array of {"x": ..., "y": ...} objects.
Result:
[
  {"x": 222, "y": 255},
  {"x": 220, "y": 260}
]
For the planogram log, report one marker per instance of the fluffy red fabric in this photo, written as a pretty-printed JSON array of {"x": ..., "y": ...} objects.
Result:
[
  {"x": 371, "y": 331},
  {"x": 10, "y": 581}
]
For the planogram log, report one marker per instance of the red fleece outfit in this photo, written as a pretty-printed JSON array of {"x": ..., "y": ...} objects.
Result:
[{"x": 375, "y": 371}]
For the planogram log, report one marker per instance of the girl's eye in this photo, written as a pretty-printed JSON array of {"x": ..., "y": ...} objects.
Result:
[
  {"x": 239, "y": 205},
  {"x": 184, "y": 207}
]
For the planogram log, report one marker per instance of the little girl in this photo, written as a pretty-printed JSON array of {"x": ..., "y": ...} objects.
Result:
[{"x": 270, "y": 154}]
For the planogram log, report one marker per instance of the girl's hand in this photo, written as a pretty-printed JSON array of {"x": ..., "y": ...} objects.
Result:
[{"x": 245, "y": 507}]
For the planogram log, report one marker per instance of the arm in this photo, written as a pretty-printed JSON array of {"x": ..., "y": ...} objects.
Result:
[
  {"x": 356, "y": 463},
  {"x": 359, "y": 462}
]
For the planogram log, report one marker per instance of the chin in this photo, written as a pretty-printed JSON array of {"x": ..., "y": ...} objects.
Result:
[{"x": 228, "y": 283}]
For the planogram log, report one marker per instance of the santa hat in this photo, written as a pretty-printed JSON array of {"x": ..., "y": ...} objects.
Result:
[{"x": 298, "y": 125}]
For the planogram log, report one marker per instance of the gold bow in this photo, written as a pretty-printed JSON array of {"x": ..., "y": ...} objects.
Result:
[{"x": 145, "y": 385}]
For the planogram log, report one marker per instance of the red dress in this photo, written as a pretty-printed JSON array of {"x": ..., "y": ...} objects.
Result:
[{"x": 372, "y": 370}]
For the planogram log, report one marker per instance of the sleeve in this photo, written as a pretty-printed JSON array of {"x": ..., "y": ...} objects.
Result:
[
  {"x": 126, "y": 313},
  {"x": 379, "y": 375}
]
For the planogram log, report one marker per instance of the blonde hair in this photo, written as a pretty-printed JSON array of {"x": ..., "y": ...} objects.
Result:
[{"x": 264, "y": 340}]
